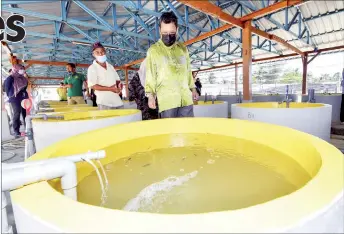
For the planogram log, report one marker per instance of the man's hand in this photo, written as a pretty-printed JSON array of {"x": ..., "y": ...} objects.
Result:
[
  {"x": 151, "y": 102},
  {"x": 115, "y": 89},
  {"x": 194, "y": 95}
]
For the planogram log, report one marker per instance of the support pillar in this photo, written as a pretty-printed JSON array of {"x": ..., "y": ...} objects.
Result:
[
  {"x": 126, "y": 83},
  {"x": 304, "y": 73},
  {"x": 247, "y": 61},
  {"x": 236, "y": 79}
]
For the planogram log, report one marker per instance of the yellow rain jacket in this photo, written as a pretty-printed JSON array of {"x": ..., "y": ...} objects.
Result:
[
  {"x": 62, "y": 92},
  {"x": 169, "y": 76}
]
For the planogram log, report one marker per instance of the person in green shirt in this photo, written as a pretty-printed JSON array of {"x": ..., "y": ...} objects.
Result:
[
  {"x": 168, "y": 75},
  {"x": 74, "y": 82},
  {"x": 62, "y": 92}
]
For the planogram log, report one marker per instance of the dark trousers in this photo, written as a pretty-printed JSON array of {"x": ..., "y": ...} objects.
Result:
[
  {"x": 179, "y": 112},
  {"x": 199, "y": 92},
  {"x": 342, "y": 110},
  {"x": 17, "y": 111},
  {"x": 94, "y": 101}
]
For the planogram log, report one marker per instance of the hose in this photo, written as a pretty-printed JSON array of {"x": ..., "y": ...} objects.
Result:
[{"x": 8, "y": 146}]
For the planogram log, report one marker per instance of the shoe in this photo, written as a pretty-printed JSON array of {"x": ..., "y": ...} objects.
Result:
[{"x": 16, "y": 136}]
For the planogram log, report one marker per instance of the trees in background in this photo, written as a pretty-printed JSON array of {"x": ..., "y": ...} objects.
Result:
[
  {"x": 291, "y": 76},
  {"x": 211, "y": 78},
  {"x": 271, "y": 73},
  {"x": 267, "y": 74},
  {"x": 275, "y": 73}
]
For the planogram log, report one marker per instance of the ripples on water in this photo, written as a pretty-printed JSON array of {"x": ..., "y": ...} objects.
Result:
[{"x": 196, "y": 178}]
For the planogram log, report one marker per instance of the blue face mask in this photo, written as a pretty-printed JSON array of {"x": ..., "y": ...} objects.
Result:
[{"x": 101, "y": 59}]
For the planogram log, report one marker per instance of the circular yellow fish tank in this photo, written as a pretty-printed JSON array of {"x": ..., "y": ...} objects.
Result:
[
  {"x": 52, "y": 103},
  {"x": 67, "y": 108},
  {"x": 212, "y": 109},
  {"x": 312, "y": 118},
  {"x": 60, "y": 106},
  {"x": 192, "y": 175},
  {"x": 73, "y": 122}
]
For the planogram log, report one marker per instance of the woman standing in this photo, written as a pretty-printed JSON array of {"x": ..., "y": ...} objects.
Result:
[
  {"x": 137, "y": 94},
  {"x": 15, "y": 87}
]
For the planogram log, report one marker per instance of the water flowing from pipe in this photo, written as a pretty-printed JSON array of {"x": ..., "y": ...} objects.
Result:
[
  {"x": 104, "y": 175},
  {"x": 103, "y": 196}
]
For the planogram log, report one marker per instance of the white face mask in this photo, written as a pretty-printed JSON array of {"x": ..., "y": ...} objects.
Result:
[
  {"x": 101, "y": 59},
  {"x": 21, "y": 72}
]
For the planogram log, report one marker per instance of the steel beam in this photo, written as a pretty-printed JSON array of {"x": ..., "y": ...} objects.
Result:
[
  {"x": 276, "y": 39},
  {"x": 138, "y": 19},
  {"x": 215, "y": 11},
  {"x": 284, "y": 27},
  {"x": 64, "y": 38},
  {"x": 70, "y": 21},
  {"x": 93, "y": 14},
  {"x": 107, "y": 9},
  {"x": 38, "y": 23},
  {"x": 81, "y": 32},
  {"x": 251, "y": 16},
  {"x": 65, "y": 5},
  {"x": 180, "y": 18},
  {"x": 155, "y": 15},
  {"x": 155, "y": 22},
  {"x": 301, "y": 18},
  {"x": 56, "y": 63},
  {"x": 310, "y": 60}
]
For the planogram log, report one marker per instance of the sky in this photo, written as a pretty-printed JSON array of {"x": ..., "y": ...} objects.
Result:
[{"x": 328, "y": 63}]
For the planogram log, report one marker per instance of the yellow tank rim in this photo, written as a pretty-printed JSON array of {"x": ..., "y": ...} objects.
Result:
[
  {"x": 327, "y": 94},
  {"x": 209, "y": 102},
  {"x": 56, "y": 102},
  {"x": 61, "y": 106},
  {"x": 49, "y": 206},
  {"x": 296, "y": 105},
  {"x": 67, "y": 108},
  {"x": 88, "y": 115}
]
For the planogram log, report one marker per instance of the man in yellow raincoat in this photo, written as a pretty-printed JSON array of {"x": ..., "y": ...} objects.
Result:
[{"x": 168, "y": 76}]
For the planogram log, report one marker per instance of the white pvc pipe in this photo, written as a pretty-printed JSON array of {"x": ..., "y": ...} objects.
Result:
[
  {"x": 64, "y": 169},
  {"x": 73, "y": 158}
]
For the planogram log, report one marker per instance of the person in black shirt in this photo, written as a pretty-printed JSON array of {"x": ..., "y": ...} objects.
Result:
[
  {"x": 93, "y": 98},
  {"x": 137, "y": 94},
  {"x": 198, "y": 85}
]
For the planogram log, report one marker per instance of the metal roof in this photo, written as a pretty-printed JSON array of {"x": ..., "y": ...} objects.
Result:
[{"x": 54, "y": 29}]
